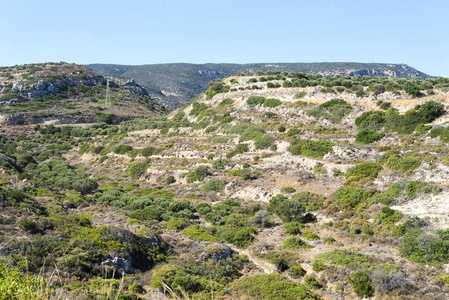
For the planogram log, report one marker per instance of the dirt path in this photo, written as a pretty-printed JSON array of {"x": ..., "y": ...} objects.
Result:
[{"x": 265, "y": 266}]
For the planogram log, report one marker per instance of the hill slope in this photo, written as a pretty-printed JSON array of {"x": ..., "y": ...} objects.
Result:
[
  {"x": 68, "y": 93},
  {"x": 263, "y": 187},
  {"x": 175, "y": 84}
]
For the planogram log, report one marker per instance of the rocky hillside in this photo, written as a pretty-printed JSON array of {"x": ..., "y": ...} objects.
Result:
[
  {"x": 68, "y": 93},
  {"x": 263, "y": 187},
  {"x": 175, "y": 84}
]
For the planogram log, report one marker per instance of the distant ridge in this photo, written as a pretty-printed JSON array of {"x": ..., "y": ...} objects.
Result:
[{"x": 175, "y": 84}]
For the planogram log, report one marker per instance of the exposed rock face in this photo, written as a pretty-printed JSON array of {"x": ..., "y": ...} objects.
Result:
[
  {"x": 216, "y": 252},
  {"x": 49, "y": 87},
  {"x": 120, "y": 264}
]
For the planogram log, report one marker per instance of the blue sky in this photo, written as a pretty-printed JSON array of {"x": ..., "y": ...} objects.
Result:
[{"x": 148, "y": 32}]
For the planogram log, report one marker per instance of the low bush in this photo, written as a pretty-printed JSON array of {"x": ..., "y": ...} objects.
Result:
[
  {"x": 226, "y": 102},
  {"x": 312, "y": 283},
  {"x": 272, "y": 102},
  {"x": 299, "y": 95},
  {"x": 198, "y": 174},
  {"x": 296, "y": 272},
  {"x": 272, "y": 286},
  {"x": 123, "y": 149},
  {"x": 295, "y": 243},
  {"x": 341, "y": 258},
  {"x": 368, "y": 136},
  {"x": 197, "y": 232},
  {"x": 367, "y": 169},
  {"x": 403, "y": 163},
  {"x": 310, "y": 148},
  {"x": 137, "y": 169},
  {"x": 255, "y": 100},
  {"x": 361, "y": 283},
  {"x": 214, "y": 185},
  {"x": 370, "y": 120},
  {"x": 425, "y": 248},
  {"x": 240, "y": 148},
  {"x": 220, "y": 164},
  {"x": 264, "y": 142}
]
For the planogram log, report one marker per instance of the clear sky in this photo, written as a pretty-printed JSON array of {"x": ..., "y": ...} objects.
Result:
[{"x": 229, "y": 31}]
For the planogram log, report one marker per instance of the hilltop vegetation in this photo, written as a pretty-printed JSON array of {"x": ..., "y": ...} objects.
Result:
[
  {"x": 267, "y": 185},
  {"x": 175, "y": 84}
]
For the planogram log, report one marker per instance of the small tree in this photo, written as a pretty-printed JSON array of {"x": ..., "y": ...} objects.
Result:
[{"x": 85, "y": 186}]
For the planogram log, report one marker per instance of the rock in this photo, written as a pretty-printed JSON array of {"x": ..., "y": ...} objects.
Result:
[{"x": 120, "y": 264}]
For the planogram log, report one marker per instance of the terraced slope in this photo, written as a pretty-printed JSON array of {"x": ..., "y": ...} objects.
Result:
[{"x": 300, "y": 186}]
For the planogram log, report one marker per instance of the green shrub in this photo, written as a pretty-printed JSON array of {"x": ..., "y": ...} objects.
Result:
[
  {"x": 83, "y": 149},
  {"x": 394, "y": 161},
  {"x": 343, "y": 258},
  {"x": 294, "y": 228},
  {"x": 299, "y": 95},
  {"x": 368, "y": 136},
  {"x": 240, "y": 148},
  {"x": 123, "y": 149},
  {"x": 293, "y": 132},
  {"x": 16, "y": 285},
  {"x": 253, "y": 101},
  {"x": 281, "y": 128},
  {"x": 337, "y": 108},
  {"x": 423, "y": 129},
  {"x": 211, "y": 129},
  {"x": 310, "y": 148},
  {"x": 85, "y": 186},
  {"x": 349, "y": 197},
  {"x": 264, "y": 142},
  {"x": 106, "y": 118},
  {"x": 272, "y": 102},
  {"x": 203, "y": 208},
  {"x": 370, "y": 120},
  {"x": 295, "y": 243},
  {"x": 385, "y": 105},
  {"x": 296, "y": 272},
  {"x": 367, "y": 169},
  {"x": 198, "y": 108},
  {"x": 197, "y": 232},
  {"x": 421, "y": 114},
  {"x": 177, "y": 224},
  {"x": 442, "y": 132},
  {"x": 137, "y": 169},
  {"x": 309, "y": 235},
  {"x": 361, "y": 283},
  {"x": 214, "y": 185},
  {"x": 421, "y": 247},
  {"x": 272, "y": 286},
  {"x": 288, "y": 190},
  {"x": 312, "y": 283},
  {"x": 27, "y": 225},
  {"x": 226, "y": 102},
  {"x": 319, "y": 168},
  {"x": 198, "y": 174},
  {"x": 411, "y": 189},
  {"x": 329, "y": 240},
  {"x": 220, "y": 164}
]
